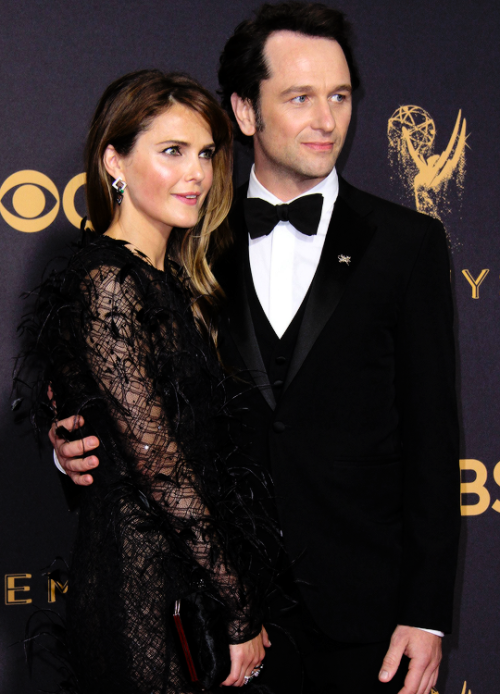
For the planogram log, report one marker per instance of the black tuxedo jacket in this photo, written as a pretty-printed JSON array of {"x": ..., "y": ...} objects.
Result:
[{"x": 363, "y": 442}]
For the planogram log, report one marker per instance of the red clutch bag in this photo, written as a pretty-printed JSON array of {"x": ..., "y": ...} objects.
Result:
[{"x": 202, "y": 630}]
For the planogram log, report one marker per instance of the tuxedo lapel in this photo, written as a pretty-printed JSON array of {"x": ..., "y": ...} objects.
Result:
[
  {"x": 348, "y": 237},
  {"x": 346, "y": 241},
  {"x": 238, "y": 312}
]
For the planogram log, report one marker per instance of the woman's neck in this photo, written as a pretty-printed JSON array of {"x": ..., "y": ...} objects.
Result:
[{"x": 151, "y": 241}]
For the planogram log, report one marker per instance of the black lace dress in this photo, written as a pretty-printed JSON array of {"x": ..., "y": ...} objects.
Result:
[{"x": 118, "y": 342}]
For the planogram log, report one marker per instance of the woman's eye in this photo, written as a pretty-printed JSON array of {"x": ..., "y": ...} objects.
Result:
[
  {"x": 171, "y": 150},
  {"x": 207, "y": 154}
]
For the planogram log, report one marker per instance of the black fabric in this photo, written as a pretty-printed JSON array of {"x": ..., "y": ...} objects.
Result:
[
  {"x": 303, "y": 660},
  {"x": 304, "y": 214},
  {"x": 363, "y": 442},
  {"x": 117, "y": 340},
  {"x": 202, "y": 633},
  {"x": 276, "y": 352}
]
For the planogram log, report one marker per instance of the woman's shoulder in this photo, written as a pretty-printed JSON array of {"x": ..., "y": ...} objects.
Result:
[
  {"x": 97, "y": 250},
  {"x": 100, "y": 260}
]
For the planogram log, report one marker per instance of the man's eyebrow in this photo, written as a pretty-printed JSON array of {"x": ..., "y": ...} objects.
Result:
[
  {"x": 344, "y": 88},
  {"x": 297, "y": 90},
  {"x": 307, "y": 89}
]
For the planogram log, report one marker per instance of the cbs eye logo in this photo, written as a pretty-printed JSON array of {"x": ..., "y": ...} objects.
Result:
[{"x": 29, "y": 200}]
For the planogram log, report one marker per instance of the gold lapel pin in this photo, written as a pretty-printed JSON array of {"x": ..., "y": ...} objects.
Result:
[{"x": 345, "y": 259}]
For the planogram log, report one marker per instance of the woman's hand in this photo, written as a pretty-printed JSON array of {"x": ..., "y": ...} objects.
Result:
[{"x": 245, "y": 657}]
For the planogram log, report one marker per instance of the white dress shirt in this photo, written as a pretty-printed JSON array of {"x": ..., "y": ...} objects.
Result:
[{"x": 284, "y": 262}]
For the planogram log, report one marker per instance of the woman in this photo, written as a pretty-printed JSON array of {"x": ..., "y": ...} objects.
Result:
[{"x": 125, "y": 335}]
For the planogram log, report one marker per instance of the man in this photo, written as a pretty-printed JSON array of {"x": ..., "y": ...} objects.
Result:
[{"x": 339, "y": 312}]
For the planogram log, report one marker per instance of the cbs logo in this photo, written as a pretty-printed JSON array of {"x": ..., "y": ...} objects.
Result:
[
  {"x": 476, "y": 498},
  {"x": 29, "y": 200}
]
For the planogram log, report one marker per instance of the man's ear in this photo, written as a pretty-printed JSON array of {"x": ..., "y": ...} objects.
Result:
[
  {"x": 113, "y": 163},
  {"x": 244, "y": 114}
]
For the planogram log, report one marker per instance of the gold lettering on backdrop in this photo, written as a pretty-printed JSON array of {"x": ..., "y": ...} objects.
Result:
[
  {"x": 29, "y": 201},
  {"x": 68, "y": 200},
  {"x": 54, "y": 585},
  {"x": 425, "y": 175},
  {"x": 496, "y": 476},
  {"x": 475, "y": 487},
  {"x": 475, "y": 283},
  {"x": 12, "y": 589}
]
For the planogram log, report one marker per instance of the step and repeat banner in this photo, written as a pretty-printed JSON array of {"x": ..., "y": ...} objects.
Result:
[{"x": 424, "y": 133}]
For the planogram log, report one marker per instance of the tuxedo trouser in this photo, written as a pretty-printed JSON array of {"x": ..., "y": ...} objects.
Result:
[{"x": 303, "y": 660}]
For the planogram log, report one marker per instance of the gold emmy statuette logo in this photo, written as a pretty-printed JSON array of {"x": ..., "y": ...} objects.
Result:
[
  {"x": 425, "y": 175},
  {"x": 29, "y": 200}
]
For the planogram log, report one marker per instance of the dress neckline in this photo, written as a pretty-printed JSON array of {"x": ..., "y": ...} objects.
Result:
[{"x": 136, "y": 252}]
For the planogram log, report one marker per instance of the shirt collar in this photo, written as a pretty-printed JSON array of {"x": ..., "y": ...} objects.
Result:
[{"x": 328, "y": 187}]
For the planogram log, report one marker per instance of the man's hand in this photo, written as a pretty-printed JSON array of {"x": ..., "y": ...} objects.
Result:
[
  {"x": 424, "y": 651},
  {"x": 69, "y": 452}
]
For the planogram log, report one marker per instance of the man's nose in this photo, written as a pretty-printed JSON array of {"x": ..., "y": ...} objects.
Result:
[{"x": 323, "y": 117}]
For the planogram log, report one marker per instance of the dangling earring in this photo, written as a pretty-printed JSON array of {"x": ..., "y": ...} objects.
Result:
[{"x": 119, "y": 185}]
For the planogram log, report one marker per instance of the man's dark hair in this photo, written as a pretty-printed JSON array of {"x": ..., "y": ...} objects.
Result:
[{"x": 242, "y": 63}]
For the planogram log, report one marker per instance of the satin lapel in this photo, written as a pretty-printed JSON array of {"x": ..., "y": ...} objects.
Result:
[
  {"x": 238, "y": 312},
  {"x": 347, "y": 238}
]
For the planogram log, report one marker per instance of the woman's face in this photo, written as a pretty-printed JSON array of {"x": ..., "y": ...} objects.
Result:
[{"x": 169, "y": 171}]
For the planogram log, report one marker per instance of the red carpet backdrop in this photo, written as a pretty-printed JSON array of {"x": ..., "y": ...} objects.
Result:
[{"x": 424, "y": 133}]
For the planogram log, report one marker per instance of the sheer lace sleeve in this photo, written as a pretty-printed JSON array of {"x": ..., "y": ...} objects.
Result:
[
  {"x": 143, "y": 372},
  {"x": 167, "y": 512}
]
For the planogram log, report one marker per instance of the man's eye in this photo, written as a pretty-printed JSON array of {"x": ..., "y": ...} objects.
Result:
[
  {"x": 299, "y": 99},
  {"x": 338, "y": 98},
  {"x": 171, "y": 150}
]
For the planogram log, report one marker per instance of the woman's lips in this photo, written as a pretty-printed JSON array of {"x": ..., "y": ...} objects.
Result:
[{"x": 187, "y": 198}]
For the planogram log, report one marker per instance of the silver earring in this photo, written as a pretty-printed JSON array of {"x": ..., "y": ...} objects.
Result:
[{"x": 119, "y": 185}]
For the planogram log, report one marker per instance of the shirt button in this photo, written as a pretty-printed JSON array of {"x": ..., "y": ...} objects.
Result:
[
  {"x": 280, "y": 360},
  {"x": 278, "y": 384},
  {"x": 279, "y": 427}
]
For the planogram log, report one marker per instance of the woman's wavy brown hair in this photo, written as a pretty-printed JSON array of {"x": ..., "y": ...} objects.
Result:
[{"x": 126, "y": 109}]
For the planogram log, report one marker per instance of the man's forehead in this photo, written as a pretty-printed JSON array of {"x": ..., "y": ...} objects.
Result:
[{"x": 289, "y": 51}]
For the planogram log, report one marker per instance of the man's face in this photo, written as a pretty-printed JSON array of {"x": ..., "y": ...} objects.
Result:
[{"x": 305, "y": 110}]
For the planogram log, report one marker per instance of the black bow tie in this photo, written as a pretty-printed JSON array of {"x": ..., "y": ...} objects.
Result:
[{"x": 304, "y": 214}]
